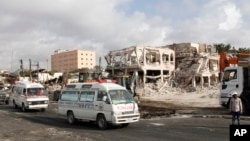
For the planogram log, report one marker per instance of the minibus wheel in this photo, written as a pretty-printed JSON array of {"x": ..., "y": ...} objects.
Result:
[
  {"x": 43, "y": 110},
  {"x": 14, "y": 103},
  {"x": 71, "y": 118},
  {"x": 23, "y": 108},
  {"x": 101, "y": 122},
  {"x": 125, "y": 124}
]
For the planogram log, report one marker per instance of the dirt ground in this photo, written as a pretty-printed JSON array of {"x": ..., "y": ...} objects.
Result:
[
  {"x": 169, "y": 101},
  {"x": 151, "y": 108}
]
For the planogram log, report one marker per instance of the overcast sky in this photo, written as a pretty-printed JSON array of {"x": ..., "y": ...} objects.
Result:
[{"x": 34, "y": 29}]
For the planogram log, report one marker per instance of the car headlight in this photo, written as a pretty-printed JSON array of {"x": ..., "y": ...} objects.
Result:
[
  {"x": 29, "y": 102},
  {"x": 46, "y": 102},
  {"x": 7, "y": 95}
]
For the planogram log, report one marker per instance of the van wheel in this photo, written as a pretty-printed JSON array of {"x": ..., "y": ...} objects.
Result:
[
  {"x": 43, "y": 110},
  {"x": 71, "y": 118},
  {"x": 101, "y": 122},
  {"x": 23, "y": 108},
  {"x": 7, "y": 102},
  {"x": 15, "y": 106}
]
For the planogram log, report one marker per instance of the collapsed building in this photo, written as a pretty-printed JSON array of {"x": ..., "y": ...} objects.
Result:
[
  {"x": 195, "y": 63},
  {"x": 179, "y": 65},
  {"x": 146, "y": 63}
]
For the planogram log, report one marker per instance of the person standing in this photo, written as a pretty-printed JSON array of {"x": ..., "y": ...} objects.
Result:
[{"x": 235, "y": 108}]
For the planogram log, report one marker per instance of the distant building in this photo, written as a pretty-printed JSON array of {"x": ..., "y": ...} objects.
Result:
[{"x": 65, "y": 61}]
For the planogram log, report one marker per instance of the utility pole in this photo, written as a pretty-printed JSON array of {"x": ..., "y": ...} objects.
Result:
[
  {"x": 47, "y": 64},
  {"x": 47, "y": 70},
  {"x": 37, "y": 65},
  {"x": 21, "y": 66},
  {"x": 30, "y": 70},
  {"x": 100, "y": 61},
  {"x": 11, "y": 61}
]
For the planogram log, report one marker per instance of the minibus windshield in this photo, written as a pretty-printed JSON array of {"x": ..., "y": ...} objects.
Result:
[{"x": 120, "y": 97}]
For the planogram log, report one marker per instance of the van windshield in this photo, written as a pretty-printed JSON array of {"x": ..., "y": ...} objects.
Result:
[
  {"x": 35, "y": 91},
  {"x": 120, "y": 96}
]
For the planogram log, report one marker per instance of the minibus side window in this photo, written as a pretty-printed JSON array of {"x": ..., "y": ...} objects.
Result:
[
  {"x": 69, "y": 96},
  {"x": 87, "y": 96},
  {"x": 90, "y": 96}
]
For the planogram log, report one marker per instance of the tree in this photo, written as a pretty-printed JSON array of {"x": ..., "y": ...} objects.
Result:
[
  {"x": 25, "y": 73},
  {"x": 222, "y": 47},
  {"x": 244, "y": 50},
  {"x": 98, "y": 68}
]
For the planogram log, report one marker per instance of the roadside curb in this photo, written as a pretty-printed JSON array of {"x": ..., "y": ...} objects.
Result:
[{"x": 220, "y": 116}]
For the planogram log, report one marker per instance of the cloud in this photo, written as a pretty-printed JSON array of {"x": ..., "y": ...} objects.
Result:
[
  {"x": 233, "y": 18},
  {"x": 217, "y": 22},
  {"x": 35, "y": 29}
]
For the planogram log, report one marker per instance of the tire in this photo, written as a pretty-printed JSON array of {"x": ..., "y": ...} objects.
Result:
[
  {"x": 125, "y": 124},
  {"x": 43, "y": 110},
  {"x": 71, "y": 118},
  {"x": 15, "y": 106},
  {"x": 228, "y": 104},
  {"x": 7, "y": 102},
  {"x": 23, "y": 108},
  {"x": 101, "y": 122}
]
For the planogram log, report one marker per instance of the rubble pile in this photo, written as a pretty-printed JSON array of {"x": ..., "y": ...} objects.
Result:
[
  {"x": 201, "y": 69},
  {"x": 186, "y": 71},
  {"x": 190, "y": 96}
]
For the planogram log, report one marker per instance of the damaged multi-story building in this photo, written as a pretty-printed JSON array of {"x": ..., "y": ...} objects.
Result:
[
  {"x": 195, "y": 63},
  {"x": 176, "y": 64},
  {"x": 147, "y": 63}
]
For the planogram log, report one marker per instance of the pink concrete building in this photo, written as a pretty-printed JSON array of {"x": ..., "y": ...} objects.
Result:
[{"x": 64, "y": 60}]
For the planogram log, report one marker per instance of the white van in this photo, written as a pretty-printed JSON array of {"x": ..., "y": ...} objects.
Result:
[
  {"x": 104, "y": 103},
  {"x": 28, "y": 95}
]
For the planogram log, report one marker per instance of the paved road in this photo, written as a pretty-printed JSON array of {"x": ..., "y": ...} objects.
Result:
[{"x": 46, "y": 126}]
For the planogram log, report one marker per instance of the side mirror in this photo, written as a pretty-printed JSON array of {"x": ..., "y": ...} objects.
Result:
[{"x": 105, "y": 99}]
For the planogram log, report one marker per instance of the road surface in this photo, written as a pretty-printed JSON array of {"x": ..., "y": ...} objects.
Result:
[{"x": 47, "y": 126}]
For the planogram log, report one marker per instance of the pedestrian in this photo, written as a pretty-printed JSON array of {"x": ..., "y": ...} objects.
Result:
[{"x": 235, "y": 108}]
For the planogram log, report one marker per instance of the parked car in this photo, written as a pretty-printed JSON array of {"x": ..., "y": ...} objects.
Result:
[{"x": 4, "y": 95}]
